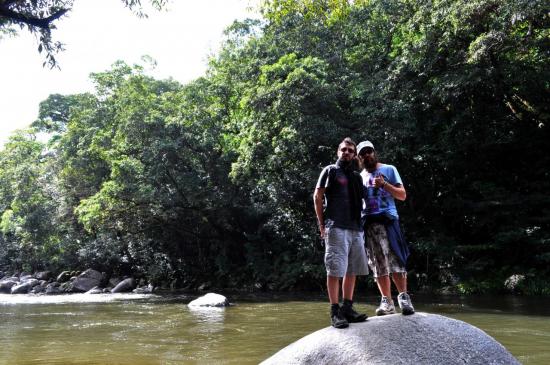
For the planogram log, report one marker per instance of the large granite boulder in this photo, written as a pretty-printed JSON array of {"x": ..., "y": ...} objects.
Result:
[
  {"x": 124, "y": 286},
  {"x": 63, "y": 277},
  {"x": 32, "y": 282},
  {"x": 53, "y": 288},
  {"x": 24, "y": 278},
  {"x": 144, "y": 289},
  {"x": 7, "y": 284},
  {"x": 43, "y": 275},
  {"x": 210, "y": 300},
  {"x": 114, "y": 282},
  {"x": 40, "y": 288},
  {"x": 422, "y": 338},
  {"x": 87, "y": 280},
  {"x": 95, "y": 290},
  {"x": 24, "y": 288}
]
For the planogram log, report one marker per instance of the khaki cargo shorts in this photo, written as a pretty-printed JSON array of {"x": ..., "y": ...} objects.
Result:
[{"x": 345, "y": 252}]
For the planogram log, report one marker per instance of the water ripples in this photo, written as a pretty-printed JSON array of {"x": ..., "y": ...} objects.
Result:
[{"x": 134, "y": 329}]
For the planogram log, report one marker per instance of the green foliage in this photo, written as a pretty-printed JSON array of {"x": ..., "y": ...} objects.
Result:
[
  {"x": 212, "y": 181},
  {"x": 28, "y": 201}
]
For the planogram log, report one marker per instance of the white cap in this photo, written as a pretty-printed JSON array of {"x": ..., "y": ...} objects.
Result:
[{"x": 364, "y": 144}]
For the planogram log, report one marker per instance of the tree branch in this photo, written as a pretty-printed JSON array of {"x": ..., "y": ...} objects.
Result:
[{"x": 42, "y": 23}]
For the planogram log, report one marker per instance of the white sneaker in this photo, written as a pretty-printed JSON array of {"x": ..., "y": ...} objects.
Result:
[
  {"x": 405, "y": 303},
  {"x": 386, "y": 307}
]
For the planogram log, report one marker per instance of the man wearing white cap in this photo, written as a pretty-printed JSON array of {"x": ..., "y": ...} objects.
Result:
[{"x": 386, "y": 247}]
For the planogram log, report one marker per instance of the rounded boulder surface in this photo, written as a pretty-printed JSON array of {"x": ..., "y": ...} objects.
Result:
[
  {"x": 210, "y": 300},
  {"x": 6, "y": 285},
  {"x": 87, "y": 280},
  {"x": 422, "y": 338},
  {"x": 63, "y": 277},
  {"x": 43, "y": 275},
  {"x": 126, "y": 285},
  {"x": 23, "y": 288}
]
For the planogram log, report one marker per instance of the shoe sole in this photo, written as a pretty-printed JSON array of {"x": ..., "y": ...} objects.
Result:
[
  {"x": 383, "y": 313},
  {"x": 360, "y": 318},
  {"x": 344, "y": 325},
  {"x": 407, "y": 312}
]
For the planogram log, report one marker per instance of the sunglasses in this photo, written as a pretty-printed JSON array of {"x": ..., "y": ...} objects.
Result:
[
  {"x": 346, "y": 149},
  {"x": 366, "y": 151}
]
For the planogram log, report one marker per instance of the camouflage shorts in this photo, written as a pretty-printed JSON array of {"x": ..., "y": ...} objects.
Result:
[{"x": 382, "y": 261}]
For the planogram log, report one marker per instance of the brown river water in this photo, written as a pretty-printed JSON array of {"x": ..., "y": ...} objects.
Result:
[{"x": 126, "y": 329}]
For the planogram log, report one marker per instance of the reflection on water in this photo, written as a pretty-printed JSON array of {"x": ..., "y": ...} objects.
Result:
[
  {"x": 6, "y": 299},
  {"x": 208, "y": 321},
  {"x": 208, "y": 315},
  {"x": 148, "y": 329}
]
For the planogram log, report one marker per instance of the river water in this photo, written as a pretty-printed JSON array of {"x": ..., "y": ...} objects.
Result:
[{"x": 126, "y": 329}]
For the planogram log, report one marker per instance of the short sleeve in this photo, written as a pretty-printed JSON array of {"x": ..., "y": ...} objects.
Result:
[
  {"x": 395, "y": 178},
  {"x": 323, "y": 181}
]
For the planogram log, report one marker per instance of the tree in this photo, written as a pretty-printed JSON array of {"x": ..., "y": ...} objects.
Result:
[
  {"x": 39, "y": 18},
  {"x": 164, "y": 180},
  {"x": 28, "y": 201}
]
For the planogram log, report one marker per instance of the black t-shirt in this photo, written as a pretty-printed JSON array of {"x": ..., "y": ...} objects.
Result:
[{"x": 338, "y": 210}]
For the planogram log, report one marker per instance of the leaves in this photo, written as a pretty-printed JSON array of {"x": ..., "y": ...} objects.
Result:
[{"x": 163, "y": 179}]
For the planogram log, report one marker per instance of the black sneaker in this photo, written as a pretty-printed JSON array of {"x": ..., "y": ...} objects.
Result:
[
  {"x": 351, "y": 314},
  {"x": 338, "y": 320}
]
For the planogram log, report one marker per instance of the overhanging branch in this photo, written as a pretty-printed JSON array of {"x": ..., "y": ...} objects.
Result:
[{"x": 42, "y": 23}]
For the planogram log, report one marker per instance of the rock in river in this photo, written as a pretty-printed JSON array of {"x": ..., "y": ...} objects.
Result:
[
  {"x": 144, "y": 289},
  {"x": 95, "y": 290},
  {"x": 210, "y": 300},
  {"x": 23, "y": 288},
  {"x": 422, "y": 338},
  {"x": 43, "y": 275},
  {"x": 7, "y": 284},
  {"x": 63, "y": 277},
  {"x": 124, "y": 286},
  {"x": 53, "y": 288},
  {"x": 87, "y": 280}
]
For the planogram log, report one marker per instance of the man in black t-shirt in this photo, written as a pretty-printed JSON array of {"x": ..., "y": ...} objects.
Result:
[{"x": 340, "y": 227}]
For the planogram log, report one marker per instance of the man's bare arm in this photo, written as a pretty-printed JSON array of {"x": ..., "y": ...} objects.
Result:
[
  {"x": 318, "y": 198},
  {"x": 397, "y": 191}
]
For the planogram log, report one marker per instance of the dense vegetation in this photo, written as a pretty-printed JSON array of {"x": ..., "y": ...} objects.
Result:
[{"x": 211, "y": 182}]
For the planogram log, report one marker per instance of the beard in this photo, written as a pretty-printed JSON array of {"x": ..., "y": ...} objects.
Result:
[
  {"x": 370, "y": 163},
  {"x": 350, "y": 165}
]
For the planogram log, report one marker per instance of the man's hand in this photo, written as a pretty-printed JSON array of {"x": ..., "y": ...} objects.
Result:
[
  {"x": 379, "y": 181},
  {"x": 397, "y": 191},
  {"x": 323, "y": 232}
]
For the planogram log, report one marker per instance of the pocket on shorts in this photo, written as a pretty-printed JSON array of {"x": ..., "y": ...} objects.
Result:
[{"x": 327, "y": 232}]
